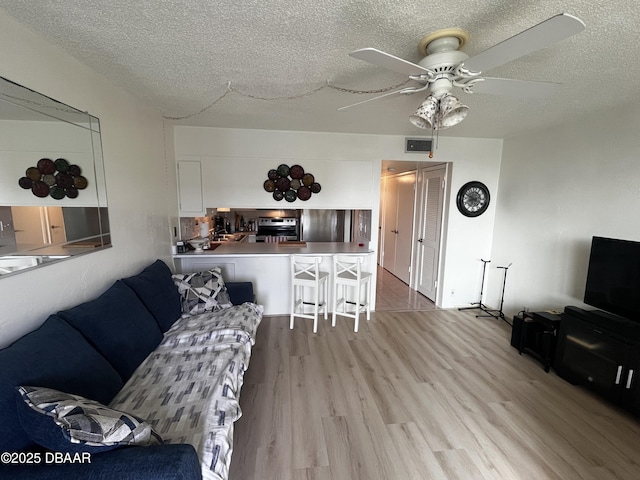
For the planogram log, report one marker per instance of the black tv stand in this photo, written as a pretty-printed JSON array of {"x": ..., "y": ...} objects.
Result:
[{"x": 601, "y": 351}]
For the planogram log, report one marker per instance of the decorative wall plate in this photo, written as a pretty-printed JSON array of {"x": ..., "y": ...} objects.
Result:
[
  {"x": 473, "y": 199},
  {"x": 304, "y": 193},
  {"x": 269, "y": 185}
]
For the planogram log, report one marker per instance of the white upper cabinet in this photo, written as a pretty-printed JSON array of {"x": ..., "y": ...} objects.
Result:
[{"x": 190, "y": 188}]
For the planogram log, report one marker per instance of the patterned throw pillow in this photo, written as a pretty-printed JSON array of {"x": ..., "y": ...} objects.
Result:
[
  {"x": 83, "y": 422},
  {"x": 202, "y": 292}
]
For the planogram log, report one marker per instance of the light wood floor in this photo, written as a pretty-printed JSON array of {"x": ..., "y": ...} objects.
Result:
[
  {"x": 393, "y": 294},
  {"x": 438, "y": 394}
]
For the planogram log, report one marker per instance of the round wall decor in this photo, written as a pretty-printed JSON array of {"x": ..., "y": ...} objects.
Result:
[
  {"x": 291, "y": 183},
  {"x": 473, "y": 199},
  {"x": 57, "y": 179}
]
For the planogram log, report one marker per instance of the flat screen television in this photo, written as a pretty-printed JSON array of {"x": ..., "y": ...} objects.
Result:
[{"x": 613, "y": 279}]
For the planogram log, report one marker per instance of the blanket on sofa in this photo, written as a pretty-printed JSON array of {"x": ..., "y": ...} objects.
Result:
[{"x": 188, "y": 389}]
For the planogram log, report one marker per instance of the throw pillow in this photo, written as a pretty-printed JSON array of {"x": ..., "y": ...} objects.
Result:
[
  {"x": 202, "y": 292},
  {"x": 70, "y": 423}
]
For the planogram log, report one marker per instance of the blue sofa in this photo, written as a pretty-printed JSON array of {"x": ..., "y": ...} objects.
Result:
[{"x": 91, "y": 350}]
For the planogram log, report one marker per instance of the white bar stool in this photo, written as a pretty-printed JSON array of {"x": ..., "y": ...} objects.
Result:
[
  {"x": 305, "y": 272},
  {"x": 348, "y": 274}
]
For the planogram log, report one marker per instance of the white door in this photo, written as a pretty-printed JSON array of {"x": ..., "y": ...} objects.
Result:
[
  {"x": 432, "y": 196},
  {"x": 55, "y": 222},
  {"x": 29, "y": 226},
  {"x": 389, "y": 228},
  {"x": 404, "y": 226}
]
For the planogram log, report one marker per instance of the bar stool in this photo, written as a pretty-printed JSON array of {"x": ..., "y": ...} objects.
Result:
[
  {"x": 305, "y": 272},
  {"x": 348, "y": 274}
]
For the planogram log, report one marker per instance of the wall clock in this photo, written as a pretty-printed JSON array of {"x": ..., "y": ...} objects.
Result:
[{"x": 473, "y": 199}]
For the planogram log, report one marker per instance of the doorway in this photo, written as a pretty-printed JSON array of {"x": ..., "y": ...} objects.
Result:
[
  {"x": 38, "y": 226},
  {"x": 398, "y": 206},
  {"x": 411, "y": 209}
]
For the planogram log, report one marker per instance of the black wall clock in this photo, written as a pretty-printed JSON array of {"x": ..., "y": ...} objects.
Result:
[{"x": 473, "y": 199}]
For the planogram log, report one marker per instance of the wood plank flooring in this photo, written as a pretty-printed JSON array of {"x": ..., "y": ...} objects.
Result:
[
  {"x": 436, "y": 394},
  {"x": 419, "y": 395},
  {"x": 394, "y": 294}
]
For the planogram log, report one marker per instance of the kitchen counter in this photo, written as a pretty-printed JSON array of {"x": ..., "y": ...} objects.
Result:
[
  {"x": 234, "y": 249},
  {"x": 267, "y": 266}
]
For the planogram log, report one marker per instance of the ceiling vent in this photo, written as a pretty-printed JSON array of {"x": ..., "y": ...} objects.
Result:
[{"x": 417, "y": 145}]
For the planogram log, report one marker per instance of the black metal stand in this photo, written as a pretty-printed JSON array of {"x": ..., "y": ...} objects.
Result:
[
  {"x": 498, "y": 313},
  {"x": 479, "y": 304}
]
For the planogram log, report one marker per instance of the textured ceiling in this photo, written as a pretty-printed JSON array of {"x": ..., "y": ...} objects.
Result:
[{"x": 278, "y": 55}]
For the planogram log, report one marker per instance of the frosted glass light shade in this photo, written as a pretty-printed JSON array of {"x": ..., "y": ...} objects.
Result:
[
  {"x": 426, "y": 113},
  {"x": 451, "y": 113}
]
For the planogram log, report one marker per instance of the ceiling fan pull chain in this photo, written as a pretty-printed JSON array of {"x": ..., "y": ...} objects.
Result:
[{"x": 360, "y": 92}]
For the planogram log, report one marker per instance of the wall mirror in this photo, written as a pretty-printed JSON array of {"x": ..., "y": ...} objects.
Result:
[{"x": 53, "y": 199}]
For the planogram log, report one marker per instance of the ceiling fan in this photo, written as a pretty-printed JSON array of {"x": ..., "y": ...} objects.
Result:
[{"x": 445, "y": 66}]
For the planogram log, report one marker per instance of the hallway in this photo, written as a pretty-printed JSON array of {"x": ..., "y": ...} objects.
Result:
[{"x": 393, "y": 294}]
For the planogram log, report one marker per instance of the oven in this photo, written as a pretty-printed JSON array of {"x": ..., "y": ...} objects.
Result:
[{"x": 274, "y": 229}]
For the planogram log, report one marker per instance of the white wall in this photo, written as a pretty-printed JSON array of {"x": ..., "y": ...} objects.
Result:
[
  {"x": 466, "y": 240},
  {"x": 558, "y": 188},
  {"x": 236, "y": 161},
  {"x": 140, "y": 187}
]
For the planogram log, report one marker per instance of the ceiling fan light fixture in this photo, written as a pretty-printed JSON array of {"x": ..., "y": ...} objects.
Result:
[
  {"x": 444, "y": 66},
  {"x": 451, "y": 112},
  {"x": 419, "y": 121},
  {"x": 454, "y": 117},
  {"x": 425, "y": 115},
  {"x": 434, "y": 114}
]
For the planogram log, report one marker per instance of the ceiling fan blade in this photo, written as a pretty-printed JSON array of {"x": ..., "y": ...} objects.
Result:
[
  {"x": 388, "y": 61},
  {"x": 515, "y": 88},
  {"x": 372, "y": 99},
  {"x": 535, "y": 38}
]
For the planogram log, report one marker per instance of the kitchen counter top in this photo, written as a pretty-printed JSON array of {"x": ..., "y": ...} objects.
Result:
[
  {"x": 236, "y": 249},
  {"x": 267, "y": 266}
]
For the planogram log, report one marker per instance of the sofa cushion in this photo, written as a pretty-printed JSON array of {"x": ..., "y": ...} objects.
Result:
[
  {"x": 240, "y": 292},
  {"x": 202, "y": 291},
  {"x": 155, "y": 288},
  {"x": 118, "y": 325},
  {"x": 63, "y": 422},
  {"x": 55, "y": 356}
]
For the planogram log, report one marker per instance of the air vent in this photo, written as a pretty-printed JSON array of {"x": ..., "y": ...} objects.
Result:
[
  {"x": 417, "y": 145},
  {"x": 445, "y": 69}
]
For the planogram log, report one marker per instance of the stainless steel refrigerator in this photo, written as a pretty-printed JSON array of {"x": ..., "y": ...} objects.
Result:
[{"x": 325, "y": 225}]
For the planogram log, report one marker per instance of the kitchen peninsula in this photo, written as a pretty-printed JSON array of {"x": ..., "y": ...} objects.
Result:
[{"x": 267, "y": 265}]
